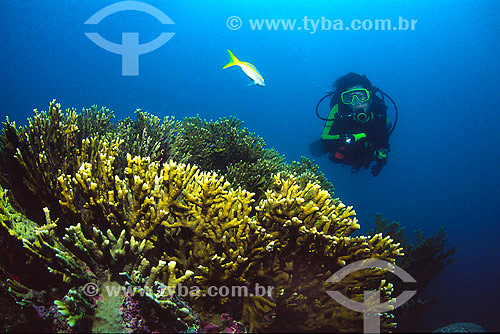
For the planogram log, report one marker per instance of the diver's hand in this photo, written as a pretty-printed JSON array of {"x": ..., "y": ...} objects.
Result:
[
  {"x": 381, "y": 154},
  {"x": 350, "y": 138},
  {"x": 381, "y": 159}
]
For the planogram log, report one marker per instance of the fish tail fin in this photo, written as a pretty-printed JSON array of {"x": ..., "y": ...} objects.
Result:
[{"x": 233, "y": 61}]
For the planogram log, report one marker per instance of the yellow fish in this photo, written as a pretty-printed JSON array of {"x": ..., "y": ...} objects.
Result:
[{"x": 248, "y": 68}]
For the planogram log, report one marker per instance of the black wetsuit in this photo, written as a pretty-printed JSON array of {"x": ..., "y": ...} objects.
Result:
[{"x": 358, "y": 153}]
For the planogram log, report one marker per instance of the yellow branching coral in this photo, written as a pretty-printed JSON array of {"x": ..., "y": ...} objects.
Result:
[
  {"x": 310, "y": 240},
  {"x": 175, "y": 196},
  {"x": 170, "y": 278},
  {"x": 149, "y": 195},
  {"x": 310, "y": 207},
  {"x": 140, "y": 202},
  {"x": 222, "y": 243},
  {"x": 94, "y": 179}
]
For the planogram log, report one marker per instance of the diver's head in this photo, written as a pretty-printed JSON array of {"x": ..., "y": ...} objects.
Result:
[
  {"x": 355, "y": 93},
  {"x": 358, "y": 99}
]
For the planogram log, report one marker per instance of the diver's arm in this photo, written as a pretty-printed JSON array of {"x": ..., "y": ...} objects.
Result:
[
  {"x": 383, "y": 148},
  {"x": 385, "y": 134},
  {"x": 381, "y": 154},
  {"x": 327, "y": 129}
]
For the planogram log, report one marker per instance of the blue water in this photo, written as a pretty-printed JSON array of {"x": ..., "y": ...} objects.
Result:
[{"x": 444, "y": 76}]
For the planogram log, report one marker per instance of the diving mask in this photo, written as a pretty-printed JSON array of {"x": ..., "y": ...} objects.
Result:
[{"x": 355, "y": 96}]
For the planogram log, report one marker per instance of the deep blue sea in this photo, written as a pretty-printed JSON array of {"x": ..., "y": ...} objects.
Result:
[{"x": 444, "y": 75}]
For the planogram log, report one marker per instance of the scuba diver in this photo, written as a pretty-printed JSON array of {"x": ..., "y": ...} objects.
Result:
[{"x": 357, "y": 130}]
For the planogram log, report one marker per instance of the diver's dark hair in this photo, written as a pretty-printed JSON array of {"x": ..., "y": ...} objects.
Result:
[{"x": 352, "y": 79}]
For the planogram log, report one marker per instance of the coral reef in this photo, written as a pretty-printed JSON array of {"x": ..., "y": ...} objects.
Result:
[
  {"x": 461, "y": 327},
  {"x": 92, "y": 122},
  {"x": 423, "y": 261},
  {"x": 32, "y": 157},
  {"x": 306, "y": 170},
  {"x": 426, "y": 258},
  {"x": 239, "y": 155},
  {"x": 112, "y": 240},
  {"x": 232, "y": 150},
  {"x": 148, "y": 136}
]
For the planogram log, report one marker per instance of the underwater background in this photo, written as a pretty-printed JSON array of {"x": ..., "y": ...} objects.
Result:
[{"x": 443, "y": 75}]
